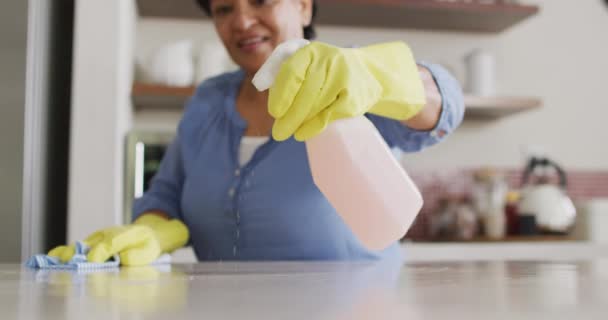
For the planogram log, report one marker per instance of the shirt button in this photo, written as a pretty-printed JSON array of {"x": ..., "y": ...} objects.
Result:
[
  {"x": 438, "y": 133},
  {"x": 237, "y": 172},
  {"x": 234, "y": 250},
  {"x": 238, "y": 233},
  {"x": 231, "y": 192},
  {"x": 238, "y": 215}
]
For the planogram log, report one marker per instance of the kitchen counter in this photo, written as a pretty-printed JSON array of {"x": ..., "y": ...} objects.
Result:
[
  {"x": 481, "y": 251},
  {"x": 499, "y": 251},
  {"x": 313, "y": 290}
]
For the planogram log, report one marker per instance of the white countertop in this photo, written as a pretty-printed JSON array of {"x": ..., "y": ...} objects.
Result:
[
  {"x": 481, "y": 251},
  {"x": 313, "y": 290}
]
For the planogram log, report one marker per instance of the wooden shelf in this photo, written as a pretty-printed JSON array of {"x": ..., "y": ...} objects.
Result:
[
  {"x": 141, "y": 89},
  {"x": 470, "y": 16},
  {"x": 484, "y": 108},
  {"x": 152, "y": 96}
]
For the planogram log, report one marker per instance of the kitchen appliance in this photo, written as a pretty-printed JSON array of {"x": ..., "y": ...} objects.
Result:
[
  {"x": 143, "y": 154},
  {"x": 548, "y": 202}
]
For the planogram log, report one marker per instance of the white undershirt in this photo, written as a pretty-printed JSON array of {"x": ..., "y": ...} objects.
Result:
[{"x": 248, "y": 147}]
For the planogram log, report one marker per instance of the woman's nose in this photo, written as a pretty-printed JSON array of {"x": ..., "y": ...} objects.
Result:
[{"x": 243, "y": 19}]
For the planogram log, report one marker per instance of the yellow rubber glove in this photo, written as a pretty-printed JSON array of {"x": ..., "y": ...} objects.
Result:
[
  {"x": 321, "y": 83},
  {"x": 137, "y": 244}
]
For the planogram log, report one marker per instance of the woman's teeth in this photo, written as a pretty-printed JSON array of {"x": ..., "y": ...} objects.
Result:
[{"x": 251, "y": 41}]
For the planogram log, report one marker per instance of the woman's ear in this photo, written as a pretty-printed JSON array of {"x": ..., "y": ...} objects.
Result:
[{"x": 306, "y": 12}]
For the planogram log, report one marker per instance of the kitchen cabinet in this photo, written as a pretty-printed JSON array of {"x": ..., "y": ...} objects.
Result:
[
  {"x": 152, "y": 96},
  {"x": 452, "y": 15}
]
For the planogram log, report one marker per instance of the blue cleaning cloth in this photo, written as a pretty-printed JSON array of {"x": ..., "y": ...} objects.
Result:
[{"x": 79, "y": 261}]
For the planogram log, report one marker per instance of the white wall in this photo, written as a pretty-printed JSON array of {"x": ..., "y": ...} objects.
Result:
[
  {"x": 101, "y": 113},
  {"x": 558, "y": 55}
]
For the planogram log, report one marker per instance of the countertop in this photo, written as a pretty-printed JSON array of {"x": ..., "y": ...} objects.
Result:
[
  {"x": 313, "y": 290},
  {"x": 476, "y": 251}
]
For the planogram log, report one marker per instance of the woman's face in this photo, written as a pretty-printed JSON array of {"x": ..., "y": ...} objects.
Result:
[{"x": 251, "y": 29}]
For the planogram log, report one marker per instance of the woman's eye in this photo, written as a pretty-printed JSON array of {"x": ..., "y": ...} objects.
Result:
[
  {"x": 222, "y": 10},
  {"x": 260, "y": 3}
]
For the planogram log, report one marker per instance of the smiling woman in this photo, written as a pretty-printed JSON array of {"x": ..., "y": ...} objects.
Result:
[
  {"x": 251, "y": 29},
  {"x": 265, "y": 205},
  {"x": 309, "y": 31}
]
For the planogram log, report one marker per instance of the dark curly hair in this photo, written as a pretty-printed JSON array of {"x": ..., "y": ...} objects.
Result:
[{"x": 309, "y": 31}]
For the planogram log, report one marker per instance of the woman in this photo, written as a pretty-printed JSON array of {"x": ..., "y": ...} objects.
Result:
[{"x": 234, "y": 192}]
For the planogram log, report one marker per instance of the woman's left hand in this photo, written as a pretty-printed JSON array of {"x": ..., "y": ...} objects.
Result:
[{"x": 321, "y": 83}]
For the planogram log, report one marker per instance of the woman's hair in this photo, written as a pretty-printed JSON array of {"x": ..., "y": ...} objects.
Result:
[{"x": 309, "y": 31}]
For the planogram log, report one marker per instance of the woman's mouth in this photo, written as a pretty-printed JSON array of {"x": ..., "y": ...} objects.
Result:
[{"x": 251, "y": 44}]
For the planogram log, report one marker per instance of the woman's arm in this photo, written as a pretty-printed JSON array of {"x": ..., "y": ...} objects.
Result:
[
  {"x": 428, "y": 117},
  {"x": 442, "y": 114},
  {"x": 163, "y": 196},
  {"x": 154, "y": 213}
]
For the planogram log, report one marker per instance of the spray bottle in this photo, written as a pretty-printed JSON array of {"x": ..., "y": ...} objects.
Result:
[{"x": 354, "y": 168}]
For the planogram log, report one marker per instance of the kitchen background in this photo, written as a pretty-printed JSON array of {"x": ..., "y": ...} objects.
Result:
[
  {"x": 539, "y": 59},
  {"x": 540, "y": 69},
  {"x": 550, "y": 72}
]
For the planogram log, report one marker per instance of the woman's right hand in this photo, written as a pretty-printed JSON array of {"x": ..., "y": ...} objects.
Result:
[{"x": 137, "y": 244}]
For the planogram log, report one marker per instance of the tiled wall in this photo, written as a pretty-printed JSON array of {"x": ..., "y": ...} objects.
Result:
[{"x": 436, "y": 185}]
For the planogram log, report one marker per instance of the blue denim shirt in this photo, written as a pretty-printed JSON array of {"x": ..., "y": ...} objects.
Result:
[{"x": 269, "y": 209}]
